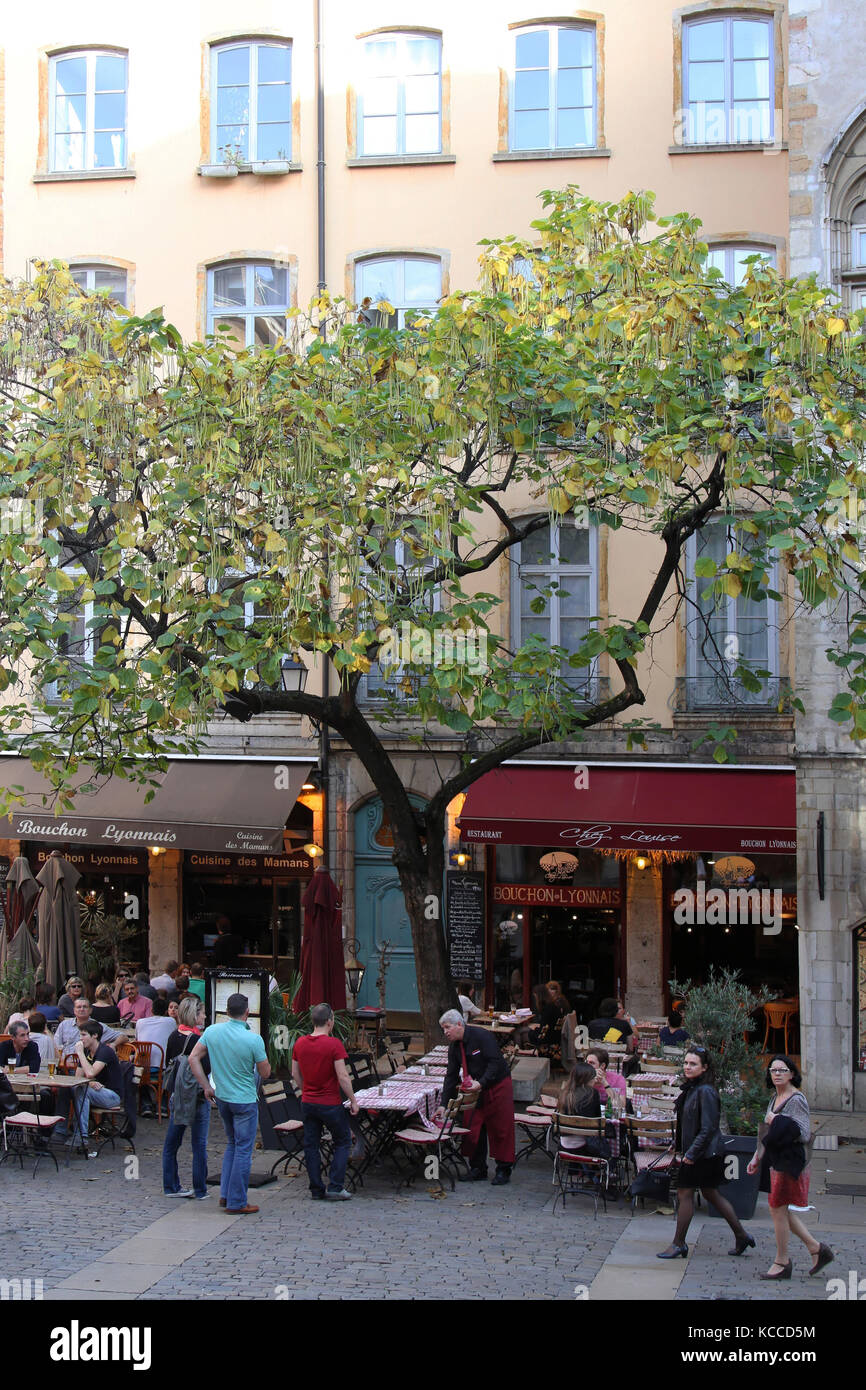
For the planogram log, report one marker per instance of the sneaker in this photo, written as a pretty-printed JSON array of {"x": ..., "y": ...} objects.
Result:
[
  {"x": 341, "y": 1196},
  {"x": 184, "y": 1192},
  {"x": 201, "y": 1196}
]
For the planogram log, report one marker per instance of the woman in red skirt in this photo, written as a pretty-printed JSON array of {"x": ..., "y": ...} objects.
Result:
[{"x": 788, "y": 1188}]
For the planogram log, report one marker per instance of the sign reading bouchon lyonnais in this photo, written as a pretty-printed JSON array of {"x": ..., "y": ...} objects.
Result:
[
  {"x": 97, "y": 861},
  {"x": 130, "y": 834},
  {"x": 556, "y": 895}
]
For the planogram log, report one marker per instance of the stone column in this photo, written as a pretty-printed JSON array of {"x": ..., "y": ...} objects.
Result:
[
  {"x": 165, "y": 908},
  {"x": 644, "y": 940}
]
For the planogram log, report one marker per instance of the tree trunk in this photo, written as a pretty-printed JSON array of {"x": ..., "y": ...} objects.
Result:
[{"x": 423, "y": 895}]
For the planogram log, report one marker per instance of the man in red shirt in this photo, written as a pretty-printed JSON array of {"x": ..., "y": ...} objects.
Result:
[{"x": 319, "y": 1068}]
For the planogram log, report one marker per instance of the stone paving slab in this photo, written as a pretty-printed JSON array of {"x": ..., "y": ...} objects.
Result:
[{"x": 120, "y": 1278}]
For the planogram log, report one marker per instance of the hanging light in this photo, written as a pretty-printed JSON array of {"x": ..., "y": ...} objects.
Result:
[
  {"x": 313, "y": 850},
  {"x": 355, "y": 971},
  {"x": 461, "y": 859},
  {"x": 641, "y": 861},
  {"x": 293, "y": 674},
  {"x": 313, "y": 783}
]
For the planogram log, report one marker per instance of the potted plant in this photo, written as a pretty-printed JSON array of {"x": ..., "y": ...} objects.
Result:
[
  {"x": 280, "y": 165},
  {"x": 286, "y": 1025},
  {"x": 230, "y": 166},
  {"x": 718, "y": 1015}
]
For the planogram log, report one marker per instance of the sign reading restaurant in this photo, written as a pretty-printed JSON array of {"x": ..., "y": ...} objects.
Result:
[
  {"x": 555, "y": 895},
  {"x": 623, "y": 835}
]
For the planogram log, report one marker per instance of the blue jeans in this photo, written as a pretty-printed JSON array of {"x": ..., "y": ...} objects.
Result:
[
  {"x": 240, "y": 1122},
  {"x": 174, "y": 1139},
  {"x": 102, "y": 1099},
  {"x": 336, "y": 1121}
]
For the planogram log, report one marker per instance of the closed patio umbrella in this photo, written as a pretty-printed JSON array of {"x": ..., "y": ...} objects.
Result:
[
  {"x": 22, "y": 891},
  {"x": 23, "y": 948},
  {"x": 59, "y": 920},
  {"x": 323, "y": 979}
]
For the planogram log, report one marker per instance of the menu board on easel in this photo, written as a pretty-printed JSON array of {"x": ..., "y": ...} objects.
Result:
[
  {"x": 222, "y": 983},
  {"x": 464, "y": 925}
]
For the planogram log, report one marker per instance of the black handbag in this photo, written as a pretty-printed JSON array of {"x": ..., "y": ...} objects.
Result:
[{"x": 653, "y": 1182}]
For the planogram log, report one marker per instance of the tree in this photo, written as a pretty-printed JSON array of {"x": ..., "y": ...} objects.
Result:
[{"x": 217, "y": 508}]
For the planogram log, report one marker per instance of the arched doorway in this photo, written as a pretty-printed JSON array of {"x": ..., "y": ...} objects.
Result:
[{"x": 380, "y": 910}]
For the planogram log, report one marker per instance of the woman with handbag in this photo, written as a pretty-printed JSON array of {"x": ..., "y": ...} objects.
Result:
[
  {"x": 699, "y": 1140},
  {"x": 786, "y": 1130},
  {"x": 180, "y": 1044}
]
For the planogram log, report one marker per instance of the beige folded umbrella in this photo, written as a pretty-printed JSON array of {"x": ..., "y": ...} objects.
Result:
[{"x": 59, "y": 920}]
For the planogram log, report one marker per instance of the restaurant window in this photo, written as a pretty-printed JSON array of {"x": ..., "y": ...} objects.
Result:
[
  {"x": 249, "y": 299},
  {"x": 251, "y": 102},
  {"x": 554, "y": 594},
  {"x": 412, "y": 285},
  {"x": 730, "y": 258},
  {"x": 87, "y": 111},
  {"x": 724, "y": 631},
  {"x": 553, "y": 88},
  {"x": 400, "y": 95},
  {"x": 101, "y": 279},
  {"x": 728, "y": 80}
]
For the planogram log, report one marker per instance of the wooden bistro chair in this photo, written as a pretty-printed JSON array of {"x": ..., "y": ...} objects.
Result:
[
  {"x": 442, "y": 1139},
  {"x": 281, "y": 1124},
  {"x": 778, "y": 1017},
  {"x": 580, "y": 1174},
  {"x": 649, "y": 1142},
  {"x": 145, "y": 1066},
  {"x": 27, "y": 1134}
]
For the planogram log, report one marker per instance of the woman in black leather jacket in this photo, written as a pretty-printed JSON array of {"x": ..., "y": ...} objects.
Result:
[{"x": 700, "y": 1142}]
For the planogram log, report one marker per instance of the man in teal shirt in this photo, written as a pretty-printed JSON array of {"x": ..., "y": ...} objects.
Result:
[{"x": 235, "y": 1054}]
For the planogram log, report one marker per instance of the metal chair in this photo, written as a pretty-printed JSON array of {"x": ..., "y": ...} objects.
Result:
[
  {"x": 281, "y": 1124},
  {"x": 144, "y": 1068},
  {"x": 442, "y": 1138},
  {"x": 578, "y": 1173}
]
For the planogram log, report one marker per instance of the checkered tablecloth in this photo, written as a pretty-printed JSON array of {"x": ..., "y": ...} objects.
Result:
[
  {"x": 433, "y": 1070},
  {"x": 421, "y": 1097},
  {"x": 668, "y": 1078}
]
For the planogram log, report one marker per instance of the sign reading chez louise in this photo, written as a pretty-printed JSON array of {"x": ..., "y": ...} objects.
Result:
[{"x": 555, "y": 895}]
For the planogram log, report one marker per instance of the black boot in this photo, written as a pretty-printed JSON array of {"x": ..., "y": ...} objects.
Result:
[
  {"x": 502, "y": 1175},
  {"x": 474, "y": 1175}
]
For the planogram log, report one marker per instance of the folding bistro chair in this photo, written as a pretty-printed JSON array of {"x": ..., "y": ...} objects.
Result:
[
  {"x": 579, "y": 1173},
  {"x": 145, "y": 1065},
  {"x": 652, "y": 1156},
  {"x": 534, "y": 1124},
  {"x": 281, "y": 1124},
  {"x": 440, "y": 1139}
]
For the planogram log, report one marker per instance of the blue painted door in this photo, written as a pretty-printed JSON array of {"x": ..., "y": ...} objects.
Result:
[{"x": 380, "y": 912}]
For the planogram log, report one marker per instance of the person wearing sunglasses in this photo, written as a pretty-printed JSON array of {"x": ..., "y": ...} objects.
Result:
[
  {"x": 783, "y": 1137},
  {"x": 699, "y": 1140}
]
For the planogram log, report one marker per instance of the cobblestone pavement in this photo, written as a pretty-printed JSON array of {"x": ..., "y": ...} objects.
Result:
[{"x": 103, "y": 1226}]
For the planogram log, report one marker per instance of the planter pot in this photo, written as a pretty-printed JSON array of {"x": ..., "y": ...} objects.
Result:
[
  {"x": 218, "y": 171},
  {"x": 741, "y": 1190},
  {"x": 272, "y": 167}
]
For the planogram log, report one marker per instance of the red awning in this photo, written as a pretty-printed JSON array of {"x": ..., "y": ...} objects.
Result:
[{"x": 633, "y": 808}]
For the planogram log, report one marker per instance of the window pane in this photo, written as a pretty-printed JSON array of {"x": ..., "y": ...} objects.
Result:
[
  {"x": 534, "y": 626},
  {"x": 233, "y": 137},
  {"x": 381, "y": 96},
  {"x": 229, "y": 286},
  {"x": 708, "y": 124},
  {"x": 422, "y": 282},
  {"x": 270, "y": 284},
  {"x": 268, "y": 330},
  {"x": 109, "y": 111},
  {"x": 573, "y": 545},
  {"x": 378, "y": 280},
  {"x": 574, "y": 87},
  {"x": 576, "y": 47},
  {"x": 381, "y": 56},
  {"x": 232, "y": 330},
  {"x": 573, "y": 129},
  {"x": 68, "y": 152},
  {"x": 531, "y": 50},
  {"x": 233, "y": 105},
  {"x": 233, "y": 66},
  {"x": 860, "y": 248},
  {"x": 422, "y": 94},
  {"x": 750, "y": 120},
  {"x": 274, "y": 141},
  {"x": 275, "y": 63},
  {"x": 274, "y": 104},
  {"x": 573, "y": 596},
  {"x": 114, "y": 281},
  {"x": 706, "y": 40},
  {"x": 69, "y": 113},
  {"x": 422, "y": 135},
  {"x": 71, "y": 75},
  {"x": 79, "y": 276},
  {"x": 422, "y": 55},
  {"x": 380, "y": 135},
  {"x": 110, "y": 73},
  {"x": 531, "y": 91},
  {"x": 740, "y": 254},
  {"x": 108, "y": 151},
  {"x": 531, "y": 130},
  {"x": 751, "y": 38},
  {"x": 571, "y": 633},
  {"x": 752, "y": 78},
  {"x": 535, "y": 550},
  {"x": 707, "y": 82},
  {"x": 716, "y": 258}
]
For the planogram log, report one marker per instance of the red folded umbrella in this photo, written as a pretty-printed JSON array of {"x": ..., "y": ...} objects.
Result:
[{"x": 323, "y": 977}]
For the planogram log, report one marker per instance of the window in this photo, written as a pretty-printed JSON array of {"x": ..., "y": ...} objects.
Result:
[
  {"x": 858, "y": 246},
  {"x": 251, "y": 102},
  {"x": 731, "y": 259},
  {"x": 728, "y": 630},
  {"x": 398, "y": 560},
  {"x": 76, "y": 643},
  {"x": 561, "y": 559},
  {"x": 104, "y": 279},
  {"x": 553, "y": 91},
  {"x": 728, "y": 80},
  {"x": 252, "y": 300},
  {"x": 400, "y": 96},
  {"x": 87, "y": 112},
  {"x": 412, "y": 285}
]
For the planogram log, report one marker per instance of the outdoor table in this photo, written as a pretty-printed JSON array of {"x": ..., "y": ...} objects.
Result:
[
  {"x": 392, "y": 1108},
  {"x": 23, "y": 1082},
  {"x": 667, "y": 1078}
]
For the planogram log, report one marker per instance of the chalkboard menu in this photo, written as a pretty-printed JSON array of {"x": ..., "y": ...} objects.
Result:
[{"x": 465, "y": 925}]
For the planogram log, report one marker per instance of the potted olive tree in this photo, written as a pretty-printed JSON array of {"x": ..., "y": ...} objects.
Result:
[{"x": 720, "y": 1015}]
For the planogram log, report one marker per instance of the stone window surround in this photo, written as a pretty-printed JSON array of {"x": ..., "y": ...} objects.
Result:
[
  {"x": 216, "y": 40},
  {"x": 845, "y": 192},
  {"x": 374, "y": 252},
  {"x": 243, "y": 256},
  {"x": 354, "y": 160},
  {"x": 577, "y": 19},
  {"x": 760, "y": 240},
  {"x": 44, "y": 173},
  {"x": 110, "y": 263},
  {"x": 773, "y": 9}
]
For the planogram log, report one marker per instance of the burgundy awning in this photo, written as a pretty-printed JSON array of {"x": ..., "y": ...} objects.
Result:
[{"x": 633, "y": 808}]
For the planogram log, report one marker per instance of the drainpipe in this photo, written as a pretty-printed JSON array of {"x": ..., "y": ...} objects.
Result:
[{"x": 320, "y": 145}]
